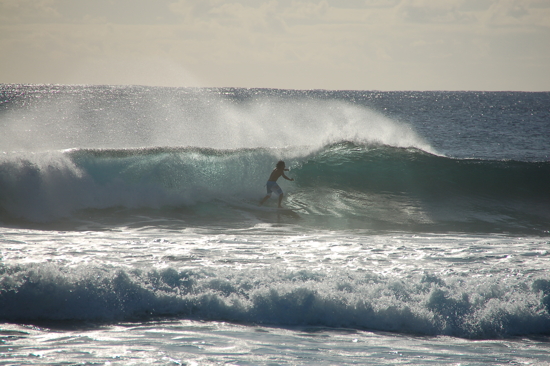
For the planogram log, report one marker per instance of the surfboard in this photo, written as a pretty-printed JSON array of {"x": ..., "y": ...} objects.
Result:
[
  {"x": 280, "y": 211},
  {"x": 255, "y": 207}
]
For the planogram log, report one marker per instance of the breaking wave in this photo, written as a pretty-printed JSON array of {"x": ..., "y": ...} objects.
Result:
[
  {"x": 358, "y": 185},
  {"x": 470, "y": 307}
]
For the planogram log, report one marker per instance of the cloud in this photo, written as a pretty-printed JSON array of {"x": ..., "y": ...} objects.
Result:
[
  {"x": 24, "y": 11},
  {"x": 370, "y": 44}
]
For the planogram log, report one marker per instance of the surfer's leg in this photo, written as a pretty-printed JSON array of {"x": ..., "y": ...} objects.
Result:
[
  {"x": 264, "y": 199},
  {"x": 280, "y": 200},
  {"x": 268, "y": 193}
]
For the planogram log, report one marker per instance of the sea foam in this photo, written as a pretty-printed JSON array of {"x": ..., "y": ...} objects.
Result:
[{"x": 430, "y": 305}]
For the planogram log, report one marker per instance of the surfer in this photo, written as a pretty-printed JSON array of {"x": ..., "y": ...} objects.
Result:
[{"x": 272, "y": 185}]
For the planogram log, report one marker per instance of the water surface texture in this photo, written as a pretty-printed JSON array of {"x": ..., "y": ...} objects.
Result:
[{"x": 416, "y": 230}]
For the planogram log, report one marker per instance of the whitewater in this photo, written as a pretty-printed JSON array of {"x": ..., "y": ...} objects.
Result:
[{"x": 416, "y": 230}]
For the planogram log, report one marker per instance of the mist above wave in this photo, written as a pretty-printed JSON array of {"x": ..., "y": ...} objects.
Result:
[{"x": 59, "y": 117}]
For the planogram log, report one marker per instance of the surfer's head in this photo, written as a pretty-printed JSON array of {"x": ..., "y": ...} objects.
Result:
[{"x": 280, "y": 164}]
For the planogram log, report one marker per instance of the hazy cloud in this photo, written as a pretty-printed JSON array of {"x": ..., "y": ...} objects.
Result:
[{"x": 344, "y": 44}]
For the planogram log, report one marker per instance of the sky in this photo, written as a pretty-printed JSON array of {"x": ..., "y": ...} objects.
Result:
[{"x": 289, "y": 44}]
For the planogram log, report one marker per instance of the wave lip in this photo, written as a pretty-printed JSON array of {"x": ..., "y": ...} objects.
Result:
[{"x": 428, "y": 305}]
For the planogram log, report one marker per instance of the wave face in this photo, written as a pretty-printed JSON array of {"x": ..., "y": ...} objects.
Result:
[
  {"x": 342, "y": 185},
  {"x": 463, "y": 306}
]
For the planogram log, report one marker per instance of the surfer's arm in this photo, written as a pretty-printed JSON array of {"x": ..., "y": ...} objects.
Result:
[{"x": 287, "y": 178}]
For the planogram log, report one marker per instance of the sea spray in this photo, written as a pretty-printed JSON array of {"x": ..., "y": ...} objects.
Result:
[{"x": 59, "y": 117}]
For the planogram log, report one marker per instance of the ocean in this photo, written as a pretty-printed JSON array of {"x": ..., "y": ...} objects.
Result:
[{"x": 416, "y": 230}]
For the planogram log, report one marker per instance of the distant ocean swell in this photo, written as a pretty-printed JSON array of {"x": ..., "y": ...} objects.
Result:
[
  {"x": 361, "y": 183},
  {"x": 470, "y": 307}
]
